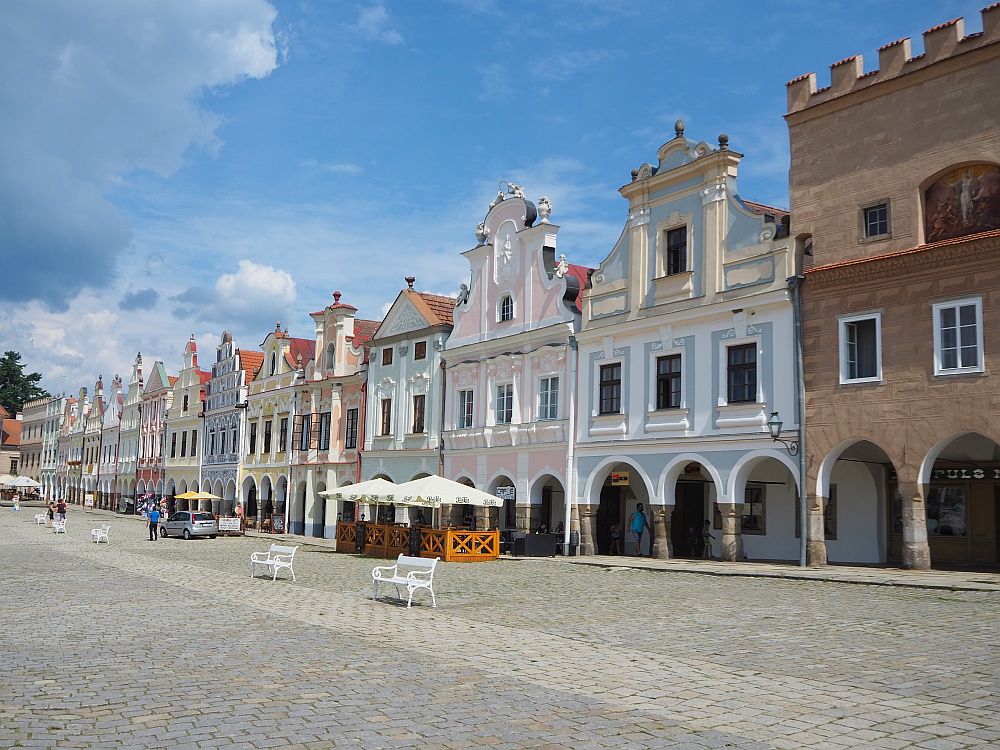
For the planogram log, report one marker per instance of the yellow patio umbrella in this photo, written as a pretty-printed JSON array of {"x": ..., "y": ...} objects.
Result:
[
  {"x": 185, "y": 496},
  {"x": 199, "y": 496}
]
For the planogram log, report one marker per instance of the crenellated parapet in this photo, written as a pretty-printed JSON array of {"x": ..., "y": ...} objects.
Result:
[{"x": 895, "y": 59}]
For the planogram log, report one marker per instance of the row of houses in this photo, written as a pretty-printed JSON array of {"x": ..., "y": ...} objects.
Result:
[{"x": 730, "y": 366}]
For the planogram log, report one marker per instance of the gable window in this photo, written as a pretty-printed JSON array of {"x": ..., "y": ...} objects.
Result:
[
  {"x": 274, "y": 364},
  {"x": 194, "y": 442},
  {"x": 267, "y": 436},
  {"x": 676, "y": 250},
  {"x": 861, "y": 348},
  {"x": 668, "y": 382},
  {"x": 351, "y": 431},
  {"x": 611, "y": 389},
  {"x": 741, "y": 373},
  {"x": 418, "y": 414},
  {"x": 958, "y": 336},
  {"x": 548, "y": 398},
  {"x": 420, "y": 350},
  {"x": 387, "y": 356},
  {"x": 875, "y": 220},
  {"x": 465, "y": 408},
  {"x": 184, "y": 443},
  {"x": 505, "y": 403},
  {"x": 386, "y": 416},
  {"x": 185, "y": 406},
  {"x": 324, "y": 431},
  {"x": 331, "y": 352},
  {"x": 283, "y": 434},
  {"x": 506, "y": 308}
]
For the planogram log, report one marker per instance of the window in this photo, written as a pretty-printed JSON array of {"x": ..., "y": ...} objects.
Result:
[
  {"x": 185, "y": 406},
  {"x": 283, "y": 434},
  {"x": 223, "y": 451},
  {"x": 548, "y": 398},
  {"x": 305, "y": 436},
  {"x": 611, "y": 389},
  {"x": 861, "y": 348},
  {"x": 13, "y": 466},
  {"x": 194, "y": 442},
  {"x": 742, "y": 373},
  {"x": 173, "y": 444},
  {"x": 875, "y": 220},
  {"x": 676, "y": 250},
  {"x": 351, "y": 433},
  {"x": 465, "y": 409},
  {"x": 946, "y": 511},
  {"x": 668, "y": 382},
  {"x": 267, "y": 436},
  {"x": 420, "y": 350},
  {"x": 958, "y": 337},
  {"x": 274, "y": 364},
  {"x": 324, "y": 431},
  {"x": 418, "y": 414},
  {"x": 211, "y": 442},
  {"x": 184, "y": 443},
  {"x": 505, "y": 403},
  {"x": 331, "y": 352},
  {"x": 386, "y": 417},
  {"x": 233, "y": 443},
  {"x": 387, "y": 356},
  {"x": 752, "y": 520},
  {"x": 506, "y": 308}
]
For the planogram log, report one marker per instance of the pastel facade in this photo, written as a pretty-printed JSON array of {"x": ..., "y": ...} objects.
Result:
[
  {"x": 75, "y": 449},
  {"x": 157, "y": 397},
  {"x": 403, "y": 427},
  {"x": 127, "y": 464},
  {"x": 511, "y": 339},
  {"x": 32, "y": 426},
  {"x": 55, "y": 409},
  {"x": 686, "y": 349},
  {"x": 328, "y": 406},
  {"x": 225, "y": 436},
  {"x": 62, "y": 471},
  {"x": 107, "y": 469},
  {"x": 901, "y": 311},
  {"x": 10, "y": 443},
  {"x": 264, "y": 473},
  {"x": 183, "y": 445}
]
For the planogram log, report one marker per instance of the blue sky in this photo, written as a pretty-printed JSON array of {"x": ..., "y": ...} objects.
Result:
[{"x": 168, "y": 169}]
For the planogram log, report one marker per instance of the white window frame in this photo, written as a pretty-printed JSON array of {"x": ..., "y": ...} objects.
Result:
[
  {"x": 513, "y": 308},
  {"x": 460, "y": 421},
  {"x": 654, "y": 356},
  {"x": 936, "y": 309},
  {"x": 723, "y": 354},
  {"x": 496, "y": 403},
  {"x": 542, "y": 415},
  {"x": 842, "y": 323},
  {"x": 865, "y": 237}
]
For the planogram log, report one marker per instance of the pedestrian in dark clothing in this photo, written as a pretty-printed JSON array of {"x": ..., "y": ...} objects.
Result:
[{"x": 154, "y": 520}]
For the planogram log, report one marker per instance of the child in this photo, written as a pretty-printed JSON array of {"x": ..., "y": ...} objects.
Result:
[{"x": 707, "y": 538}]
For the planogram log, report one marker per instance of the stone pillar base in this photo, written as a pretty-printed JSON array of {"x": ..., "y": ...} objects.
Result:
[
  {"x": 816, "y": 540},
  {"x": 732, "y": 539},
  {"x": 588, "y": 540},
  {"x": 662, "y": 547}
]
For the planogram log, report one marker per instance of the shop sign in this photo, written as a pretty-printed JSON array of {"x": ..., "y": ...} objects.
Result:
[
  {"x": 619, "y": 479},
  {"x": 505, "y": 493},
  {"x": 229, "y": 524},
  {"x": 967, "y": 473}
]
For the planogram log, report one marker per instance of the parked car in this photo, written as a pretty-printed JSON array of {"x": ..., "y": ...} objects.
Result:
[{"x": 189, "y": 523}]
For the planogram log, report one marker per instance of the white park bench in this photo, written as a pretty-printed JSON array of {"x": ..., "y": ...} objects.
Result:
[
  {"x": 101, "y": 534},
  {"x": 413, "y": 572},
  {"x": 40, "y": 519},
  {"x": 59, "y": 526},
  {"x": 276, "y": 558}
]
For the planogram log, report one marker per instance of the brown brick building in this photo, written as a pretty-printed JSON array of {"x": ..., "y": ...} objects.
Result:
[{"x": 895, "y": 199}]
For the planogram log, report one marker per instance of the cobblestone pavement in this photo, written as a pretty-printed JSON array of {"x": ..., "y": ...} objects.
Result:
[{"x": 173, "y": 645}]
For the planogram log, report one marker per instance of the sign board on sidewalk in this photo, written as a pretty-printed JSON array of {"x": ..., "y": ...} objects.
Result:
[
  {"x": 229, "y": 524},
  {"x": 278, "y": 524},
  {"x": 88, "y": 500}
]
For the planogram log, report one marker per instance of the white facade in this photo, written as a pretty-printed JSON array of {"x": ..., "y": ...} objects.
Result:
[
  {"x": 128, "y": 435},
  {"x": 54, "y": 414}
]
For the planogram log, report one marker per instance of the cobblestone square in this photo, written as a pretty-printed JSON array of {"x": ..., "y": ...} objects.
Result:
[{"x": 172, "y": 644}]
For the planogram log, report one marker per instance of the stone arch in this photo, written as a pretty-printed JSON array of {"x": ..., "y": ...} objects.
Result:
[
  {"x": 604, "y": 518},
  {"x": 229, "y": 497},
  {"x": 548, "y": 501},
  {"x": 675, "y": 468},
  {"x": 745, "y": 466},
  {"x": 248, "y": 499},
  {"x": 603, "y": 469},
  {"x": 319, "y": 513},
  {"x": 938, "y": 449},
  {"x": 297, "y": 509},
  {"x": 512, "y": 515}
]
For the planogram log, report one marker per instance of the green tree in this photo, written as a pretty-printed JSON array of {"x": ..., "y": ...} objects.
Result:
[{"x": 16, "y": 388}]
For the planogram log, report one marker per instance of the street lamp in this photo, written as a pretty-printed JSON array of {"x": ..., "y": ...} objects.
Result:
[{"x": 774, "y": 425}]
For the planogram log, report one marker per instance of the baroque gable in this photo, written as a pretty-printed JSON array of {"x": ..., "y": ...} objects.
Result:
[{"x": 402, "y": 317}]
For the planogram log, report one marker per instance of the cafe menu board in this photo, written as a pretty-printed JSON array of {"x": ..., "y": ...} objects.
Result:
[
  {"x": 229, "y": 524},
  {"x": 278, "y": 524},
  {"x": 88, "y": 501}
]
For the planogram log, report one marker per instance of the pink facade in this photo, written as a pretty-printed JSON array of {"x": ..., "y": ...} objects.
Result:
[
  {"x": 156, "y": 399},
  {"x": 509, "y": 367}
]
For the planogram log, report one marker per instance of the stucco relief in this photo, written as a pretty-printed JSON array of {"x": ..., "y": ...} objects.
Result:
[
  {"x": 550, "y": 362},
  {"x": 407, "y": 319},
  {"x": 385, "y": 387},
  {"x": 746, "y": 274},
  {"x": 505, "y": 253},
  {"x": 419, "y": 383},
  {"x": 465, "y": 378}
]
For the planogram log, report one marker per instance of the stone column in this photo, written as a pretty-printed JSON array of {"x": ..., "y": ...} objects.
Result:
[
  {"x": 662, "y": 546},
  {"x": 816, "y": 541},
  {"x": 916, "y": 552},
  {"x": 732, "y": 539},
  {"x": 588, "y": 521}
]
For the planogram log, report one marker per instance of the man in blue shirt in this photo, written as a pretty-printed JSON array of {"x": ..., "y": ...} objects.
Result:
[
  {"x": 154, "y": 523},
  {"x": 637, "y": 525}
]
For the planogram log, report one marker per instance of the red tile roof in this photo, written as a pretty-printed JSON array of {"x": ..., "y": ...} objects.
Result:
[
  {"x": 204, "y": 376},
  {"x": 11, "y": 432},
  {"x": 582, "y": 273},
  {"x": 763, "y": 208},
  {"x": 172, "y": 379},
  {"x": 304, "y": 348},
  {"x": 250, "y": 362},
  {"x": 363, "y": 332},
  {"x": 908, "y": 251}
]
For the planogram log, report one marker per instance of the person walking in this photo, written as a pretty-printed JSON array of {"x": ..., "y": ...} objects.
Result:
[
  {"x": 61, "y": 510},
  {"x": 52, "y": 513},
  {"x": 154, "y": 521},
  {"x": 638, "y": 525}
]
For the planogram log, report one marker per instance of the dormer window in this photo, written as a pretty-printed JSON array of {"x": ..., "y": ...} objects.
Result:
[
  {"x": 274, "y": 364},
  {"x": 675, "y": 243},
  {"x": 506, "y": 308}
]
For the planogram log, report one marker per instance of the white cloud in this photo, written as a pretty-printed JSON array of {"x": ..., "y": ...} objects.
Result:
[
  {"x": 255, "y": 295},
  {"x": 90, "y": 98},
  {"x": 339, "y": 168},
  {"x": 374, "y": 23}
]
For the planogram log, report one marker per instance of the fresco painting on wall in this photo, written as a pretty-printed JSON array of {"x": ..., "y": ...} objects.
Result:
[{"x": 963, "y": 201}]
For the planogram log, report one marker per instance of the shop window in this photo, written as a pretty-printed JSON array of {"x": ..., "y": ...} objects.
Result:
[
  {"x": 946, "y": 508},
  {"x": 611, "y": 389},
  {"x": 548, "y": 398},
  {"x": 752, "y": 519},
  {"x": 861, "y": 348},
  {"x": 505, "y": 403},
  {"x": 958, "y": 336},
  {"x": 418, "y": 414},
  {"x": 668, "y": 382},
  {"x": 741, "y": 373},
  {"x": 465, "y": 409}
]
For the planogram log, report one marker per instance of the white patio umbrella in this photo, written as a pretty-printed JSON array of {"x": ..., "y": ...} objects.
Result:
[
  {"x": 25, "y": 482},
  {"x": 435, "y": 491},
  {"x": 6, "y": 479},
  {"x": 378, "y": 491}
]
